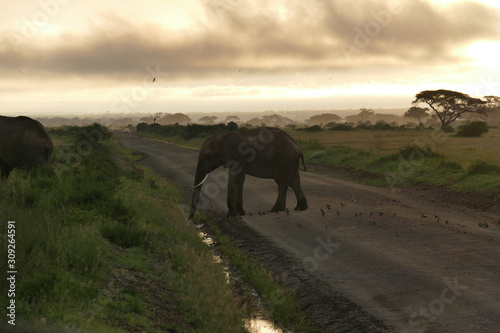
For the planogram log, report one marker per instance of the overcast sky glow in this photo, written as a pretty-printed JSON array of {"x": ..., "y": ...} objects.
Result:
[{"x": 77, "y": 57}]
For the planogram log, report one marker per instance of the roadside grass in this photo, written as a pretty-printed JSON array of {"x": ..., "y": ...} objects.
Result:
[
  {"x": 103, "y": 246},
  {"x": 465, "y": 165}
]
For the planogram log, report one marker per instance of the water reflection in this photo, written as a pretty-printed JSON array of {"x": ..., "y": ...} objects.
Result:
[
  {"x": 260, "y": 325},
  {"x": 255, "y": 324}
]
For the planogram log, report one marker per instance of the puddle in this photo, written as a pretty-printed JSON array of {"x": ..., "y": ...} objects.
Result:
[
  {"x": 260, "y": 325},
  {"x": 256, "y": 323}
]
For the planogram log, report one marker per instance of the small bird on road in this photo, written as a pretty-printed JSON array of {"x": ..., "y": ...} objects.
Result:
[
  {"x": 354, "y": 200},
  {"x": 423, "y": 216},
  {"x": 328, "y": 206},
  {"x": 342, "y": 204},
  {"x": 322, "y": 212},
  {"x": 299, "y": 225}
]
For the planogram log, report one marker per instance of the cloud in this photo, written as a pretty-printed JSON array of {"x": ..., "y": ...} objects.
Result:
[{"x": 262, "y": 37}]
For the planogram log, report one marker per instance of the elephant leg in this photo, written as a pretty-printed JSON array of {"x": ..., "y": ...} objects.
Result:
[
  {"x": 280, "y": 204},
  {"x": 235, "y": 185},
  {"x": 239, "y": 198},
  {"x": 297, "y": 189},
  {"x": 5, "y": 169}
]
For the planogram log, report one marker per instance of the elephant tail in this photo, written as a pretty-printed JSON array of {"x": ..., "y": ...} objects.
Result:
[{"x": 302, "y": 158}]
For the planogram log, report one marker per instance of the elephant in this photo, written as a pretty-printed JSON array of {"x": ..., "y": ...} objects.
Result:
[
  {"x": 24, "y": 144},
  {"x": 264, "y": 153}
]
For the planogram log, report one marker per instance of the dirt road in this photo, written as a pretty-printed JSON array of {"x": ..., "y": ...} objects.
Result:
[{"x": 410, "y": 261}]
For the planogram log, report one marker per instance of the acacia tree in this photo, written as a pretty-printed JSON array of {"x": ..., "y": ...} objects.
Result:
[
  {"x": 449, "y": 105},
  {"x": 231, "y": 119},
  {"x": 417, "y": 113},
  {"x": 209, "y": 120}
]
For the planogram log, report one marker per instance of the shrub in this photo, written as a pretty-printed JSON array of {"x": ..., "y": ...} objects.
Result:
[
  {"x": 448, "y": 129},
  {"x": 382, "y": 126},
  {"x": 474, "y": 129},
  {"x": 341, "y": 127},
  {"x": 314, "y": 128},
  {"x": 410, "y": 150},
  {"x": 483, "y": 168}
]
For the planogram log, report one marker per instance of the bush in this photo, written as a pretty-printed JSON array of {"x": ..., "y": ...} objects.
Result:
[
  {"x": 382, "y": 126},
  {"x": 314, "y": 128},
  {"x": 483, "y": 168},
  {"x": 341, "y": 127},
  {"x": 474, "y": 129},
  {"x": 448, "y": 129}
]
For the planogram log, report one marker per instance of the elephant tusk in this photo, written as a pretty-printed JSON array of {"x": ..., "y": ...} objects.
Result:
[{"x": 201, "y": 183}]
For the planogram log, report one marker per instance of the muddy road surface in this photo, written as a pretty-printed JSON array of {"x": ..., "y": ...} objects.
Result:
[{"x": 360, "y": 258}]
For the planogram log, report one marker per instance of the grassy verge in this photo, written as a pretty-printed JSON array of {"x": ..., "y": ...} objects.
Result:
[
  {"x": 102, "y": 246},
  {"x": 409, "y": 165}
]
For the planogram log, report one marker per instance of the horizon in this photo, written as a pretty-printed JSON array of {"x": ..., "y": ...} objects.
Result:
[{"x": 62, "y": 58}]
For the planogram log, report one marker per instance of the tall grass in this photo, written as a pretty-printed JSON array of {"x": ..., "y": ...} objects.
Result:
[{"x": 86, "y": 232}]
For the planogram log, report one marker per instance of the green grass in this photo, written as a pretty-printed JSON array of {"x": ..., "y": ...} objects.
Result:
[
  {"x": 103, "y": 246},
  {"x": 420, "y": 161}
]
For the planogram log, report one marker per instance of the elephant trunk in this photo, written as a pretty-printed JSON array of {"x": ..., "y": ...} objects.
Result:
[{"x": 200, "y": 178}]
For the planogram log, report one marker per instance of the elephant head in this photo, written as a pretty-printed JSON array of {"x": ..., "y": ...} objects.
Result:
[
  {"x": 24, "y": 144},
  {"x": 209, "y": 159},
  {"x": 264, "y": 153}
]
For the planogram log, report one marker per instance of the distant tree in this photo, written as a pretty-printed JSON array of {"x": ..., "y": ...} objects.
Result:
[
  {"x": 276, "y": 120},
  {"x": 417, "y": 113},
  {"x": 255, "y": 122},
  {"x": 366, "y": 114},
  {"x": 209, "y": 120},
  {"x": 232, "y": 126},
  {"x": 324, "y": 118},
  {"x": 176, "y": 118},
  {"x": 449, "y": 105},
  {"x": 493, "y": 109},
  {"x": 147, "y": 120},
  {"x": 363, "y": 116},
  {"x": 231, "y": 119}
]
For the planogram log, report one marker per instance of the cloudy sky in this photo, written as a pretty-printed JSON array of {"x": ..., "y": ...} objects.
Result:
[{"x": 81, "y": 57}]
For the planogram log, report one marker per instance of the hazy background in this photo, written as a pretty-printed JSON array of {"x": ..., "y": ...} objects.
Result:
[{"x": 67, "y": 57}]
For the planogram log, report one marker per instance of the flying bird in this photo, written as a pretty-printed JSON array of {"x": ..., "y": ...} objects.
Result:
[{"x": 154, "y": 79}]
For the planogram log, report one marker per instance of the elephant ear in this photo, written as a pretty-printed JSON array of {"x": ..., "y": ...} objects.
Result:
[
  {"x": 214, "y": 157},
  {"x": 212, "y": 154}
]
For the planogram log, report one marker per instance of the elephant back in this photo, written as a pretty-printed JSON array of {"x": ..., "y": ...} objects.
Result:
[{"x": 24, "y": 142}]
